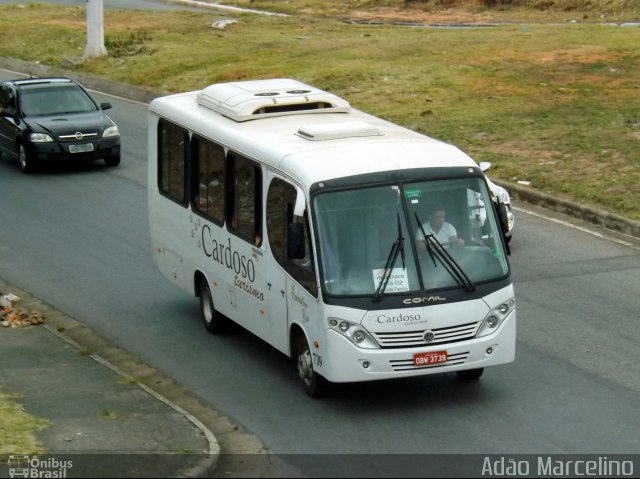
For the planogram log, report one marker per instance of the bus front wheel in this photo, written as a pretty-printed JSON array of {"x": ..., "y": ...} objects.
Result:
[
  {"x": 314, "y": 384},
  {"x": 212, "y": 319}
]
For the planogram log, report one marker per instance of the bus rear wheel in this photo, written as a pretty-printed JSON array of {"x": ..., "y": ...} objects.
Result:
[
  {"x": 212, "y": 320},
  {"x": 470, "y": 374},
  {"x": 313, "y": 383}
]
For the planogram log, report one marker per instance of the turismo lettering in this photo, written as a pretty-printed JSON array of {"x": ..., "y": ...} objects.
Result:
[{"x": 248, "y": 288}]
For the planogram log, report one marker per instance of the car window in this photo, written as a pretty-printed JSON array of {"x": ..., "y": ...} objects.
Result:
[
  {"x": 7, "y": 100},
  {"x": 55, "y": 101}
]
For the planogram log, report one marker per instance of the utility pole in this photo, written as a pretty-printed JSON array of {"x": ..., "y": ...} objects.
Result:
[{"x": 95, "y": 30}]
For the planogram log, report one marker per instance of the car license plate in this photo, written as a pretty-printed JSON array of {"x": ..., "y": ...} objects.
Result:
[
  {"x": 428, "y": 359},
  {"x": 81, "y": 148}
]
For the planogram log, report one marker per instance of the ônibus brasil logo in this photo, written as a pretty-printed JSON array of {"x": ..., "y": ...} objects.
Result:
[{"x": 33, "y": 466}]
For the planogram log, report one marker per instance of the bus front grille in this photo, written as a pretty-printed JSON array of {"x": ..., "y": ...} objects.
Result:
[
  {"x": 408, "y": 365},
  {"x": 416, "y": 338}
]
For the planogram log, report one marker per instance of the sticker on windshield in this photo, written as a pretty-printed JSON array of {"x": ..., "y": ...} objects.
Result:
[
  {"x": 398, "y": 280},
  {"x": 413, "y": 194}
]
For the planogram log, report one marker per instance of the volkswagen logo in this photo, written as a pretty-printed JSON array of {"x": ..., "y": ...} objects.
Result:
[
  {"x": 79, "y": 135},
  {"x": 428, "y": 336}
]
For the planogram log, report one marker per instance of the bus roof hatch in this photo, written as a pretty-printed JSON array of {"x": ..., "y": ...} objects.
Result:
[
  {"x": 334, "y": 131},
  {"x": 250, "y": 100}
]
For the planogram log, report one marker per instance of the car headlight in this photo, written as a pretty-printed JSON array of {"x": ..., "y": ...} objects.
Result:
[
  {"x": 40, "y": 138},
  {"x": 111, "y": 131},
  {"x": 495, "y": 317},
  {"x": 354, "y": 332}
]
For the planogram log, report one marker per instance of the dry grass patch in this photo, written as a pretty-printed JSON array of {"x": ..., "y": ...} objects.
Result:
[{"x": 18, "y": 428}]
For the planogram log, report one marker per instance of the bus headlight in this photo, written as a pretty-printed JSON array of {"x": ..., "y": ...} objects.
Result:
[
  {"x": 353, "y": 332},
  {"x": 491, "y": 321},
  {"x": 496, "y": 317}
]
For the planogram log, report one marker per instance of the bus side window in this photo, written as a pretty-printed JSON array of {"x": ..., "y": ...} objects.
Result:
[
  {"x": 281, "y": 199},
  {"x": 171, "y": 161},
  {"x": 244, "y": 183},
  {"x": 209, "y": 181}
]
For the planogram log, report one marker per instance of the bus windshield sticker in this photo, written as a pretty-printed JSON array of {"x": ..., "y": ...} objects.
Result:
[{"x": 398, "y": 281}]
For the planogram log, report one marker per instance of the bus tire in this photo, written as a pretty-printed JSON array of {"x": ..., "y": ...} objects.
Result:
[
  {"x": 211, "y": 319},
  {"x": 470, "y": 374},
  {"x": 312, "y": 382}
]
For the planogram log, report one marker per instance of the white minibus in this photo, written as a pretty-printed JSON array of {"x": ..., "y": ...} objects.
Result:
[{"x": 359, "y": 248}]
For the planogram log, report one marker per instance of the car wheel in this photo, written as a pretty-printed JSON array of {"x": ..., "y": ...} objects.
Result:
[
  {"x": 112, "y": 160},
  {"x": 212, "y": 320},
  {"x": 27, "y": 163},
  {"x": 313, "y": 383},
  {"x": 470, "y": 374}
]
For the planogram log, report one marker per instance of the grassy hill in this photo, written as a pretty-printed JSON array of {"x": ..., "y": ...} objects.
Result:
[{"x": 555, "y": 103}]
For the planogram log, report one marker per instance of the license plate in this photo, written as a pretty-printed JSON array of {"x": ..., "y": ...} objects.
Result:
[
  {"x": 81, "y": 148},
  {"x": 428, "y": 359}
]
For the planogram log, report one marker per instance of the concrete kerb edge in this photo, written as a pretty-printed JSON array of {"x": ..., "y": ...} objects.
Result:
[
  {"x": 111, "y": 87},
  {"x": 588, "y": 214},
  {"x": 207, "y": 465},
  {"x": 527, "y": 194},
  {"x": 58, "y": 321}
]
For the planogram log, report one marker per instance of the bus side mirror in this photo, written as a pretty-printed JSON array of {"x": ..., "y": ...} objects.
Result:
[
  {"x": 503, "y": 216},
  {"x": 295, "y": 241},
  {"x": 301, "y": 203}
]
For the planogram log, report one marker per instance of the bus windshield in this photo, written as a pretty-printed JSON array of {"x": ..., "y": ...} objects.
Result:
[{"x": 448, "y": 231}]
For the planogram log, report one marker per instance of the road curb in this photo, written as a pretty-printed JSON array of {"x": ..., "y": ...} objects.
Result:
[
  {"x": 519, "y": 192},
  {"x": 86, "y": 340},
  {"x": 597, "y": 217},
  {"x": 112, "y": 87}
]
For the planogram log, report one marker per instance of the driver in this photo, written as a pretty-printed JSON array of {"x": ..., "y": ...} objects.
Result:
[{"x": 444, "y": 232}]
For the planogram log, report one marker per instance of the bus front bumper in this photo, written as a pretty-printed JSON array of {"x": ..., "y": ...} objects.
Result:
[{"x": 348, "y": 363}]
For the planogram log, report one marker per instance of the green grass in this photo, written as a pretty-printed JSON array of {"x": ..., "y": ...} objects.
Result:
[
  {"x": 551, "y": 103},
  {"x": 18, "y": 428}
]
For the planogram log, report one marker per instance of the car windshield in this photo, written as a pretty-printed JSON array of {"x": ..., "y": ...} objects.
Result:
[
  {"x": 451, "y": 237},
  {"x": 55, "y": 101}
]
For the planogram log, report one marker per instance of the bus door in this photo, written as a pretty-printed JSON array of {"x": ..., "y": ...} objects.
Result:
[{"x": 292, "y": 287}]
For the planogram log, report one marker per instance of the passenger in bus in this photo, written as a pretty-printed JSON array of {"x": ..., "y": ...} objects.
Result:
[{"x": 444, "y": 232}]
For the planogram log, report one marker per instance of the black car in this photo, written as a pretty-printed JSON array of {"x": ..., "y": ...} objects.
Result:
[{"x": 48, "y": 119}]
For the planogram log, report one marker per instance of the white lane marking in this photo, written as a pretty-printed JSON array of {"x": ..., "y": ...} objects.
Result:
[{"x": 580, "y": 228}]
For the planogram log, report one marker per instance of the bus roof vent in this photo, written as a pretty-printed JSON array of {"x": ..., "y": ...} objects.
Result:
[
  {"x": 250, "y": 100},
  {"x": 333, "y": 131}
]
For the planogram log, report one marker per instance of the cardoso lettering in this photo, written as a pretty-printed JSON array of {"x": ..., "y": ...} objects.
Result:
[
  {"x": 399, "y": 318},
  {"x": 226, "y": 256},
  {"x": 425, "y": 299}
]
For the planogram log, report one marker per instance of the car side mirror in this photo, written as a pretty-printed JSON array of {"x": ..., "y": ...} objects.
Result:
[
  {"x": 295, "y": 241},
  {"x": 105, "y": 106}
]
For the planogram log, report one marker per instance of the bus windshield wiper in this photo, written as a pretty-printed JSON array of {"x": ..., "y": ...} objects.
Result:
[
  {"x": 436, "y": 250},
  {"x": 396, "y": 247}
]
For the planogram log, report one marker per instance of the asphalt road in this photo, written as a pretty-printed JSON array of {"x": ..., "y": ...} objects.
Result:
[{"x": 77, "y": 237}]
